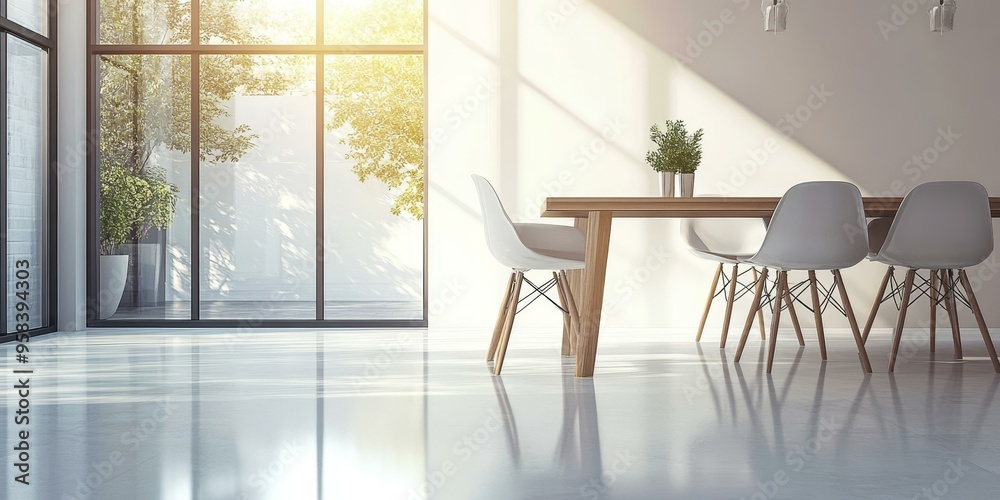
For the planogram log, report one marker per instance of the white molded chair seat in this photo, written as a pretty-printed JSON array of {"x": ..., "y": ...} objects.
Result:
[
  {"x": 525, "y": 247},
  {"x": 565, "y": 243},
  {"x": 816, "y": 226},
  {"x": 942, "y": 227}
]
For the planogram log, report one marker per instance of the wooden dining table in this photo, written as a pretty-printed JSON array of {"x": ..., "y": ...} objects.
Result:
[{"x": 594, "y": 217}]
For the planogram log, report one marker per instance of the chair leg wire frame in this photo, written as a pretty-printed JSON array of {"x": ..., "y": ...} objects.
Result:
[
  {"x": 732, "y": 287},
  {"x": 947, "y": 287},
  {"x": 513, "y": 304},
  {"x": 778, "y": 289}
]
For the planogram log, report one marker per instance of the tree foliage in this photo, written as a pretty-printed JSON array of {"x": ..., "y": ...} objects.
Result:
[
  {"x": 146, "y": 105},
  {"x": 381, "y": 99}
]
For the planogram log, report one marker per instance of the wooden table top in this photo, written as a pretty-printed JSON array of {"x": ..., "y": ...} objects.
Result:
[{"x": 701, "y": 207}]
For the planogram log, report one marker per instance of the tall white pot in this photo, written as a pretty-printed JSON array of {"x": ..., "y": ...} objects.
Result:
[
  {"x": 114, "y": 271},
  {"x": 687, "y": 185},
  {"x": 667, "y": 184}
]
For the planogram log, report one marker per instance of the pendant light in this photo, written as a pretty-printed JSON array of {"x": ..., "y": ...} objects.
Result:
[
  {"x": 775, "y": 14},
  {"x": 943, "y": 16}
]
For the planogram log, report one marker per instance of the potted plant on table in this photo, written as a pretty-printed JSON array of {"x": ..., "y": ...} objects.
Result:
[
  {"x": 132, "y": 204},
  {"x": 677, "y": 152}
]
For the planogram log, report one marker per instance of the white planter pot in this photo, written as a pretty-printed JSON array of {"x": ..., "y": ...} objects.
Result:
[
  {"x": 667, "y": 184},
  {"x": 687, "y": 185},
  {"x": 114, "y": 271}
]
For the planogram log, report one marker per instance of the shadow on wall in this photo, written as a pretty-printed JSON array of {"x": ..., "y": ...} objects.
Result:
[{"x": 831, "y": 98}]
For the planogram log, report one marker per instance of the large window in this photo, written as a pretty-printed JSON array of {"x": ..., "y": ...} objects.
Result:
[
  {"x": 260, "y": 163},
  {"x": 26, "y": 61}
]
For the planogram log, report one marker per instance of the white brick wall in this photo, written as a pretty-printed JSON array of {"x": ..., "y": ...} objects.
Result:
[{"x": 26, "y": 161}]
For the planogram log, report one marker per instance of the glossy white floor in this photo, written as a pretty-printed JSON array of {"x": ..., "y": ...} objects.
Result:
[{"x": 180, "y": 414}]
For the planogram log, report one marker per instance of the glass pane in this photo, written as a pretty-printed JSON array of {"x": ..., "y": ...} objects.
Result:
[
  {"x": 145, "y": 169},
  {"x": 258, "y": 187},
  {"x": 378, "y": 22},
  {"x": 138, "y": 22},
  {"x": 258, "y": 22},
  {"x": 374, "y": 187},
  {"x": 32, "y": 14},
  {"x": 27, "y": 178}
]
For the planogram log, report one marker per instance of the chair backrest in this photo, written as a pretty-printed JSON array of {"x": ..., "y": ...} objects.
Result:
[
  {"x": 941, "y": 225},
  {"x": 818, "y": 226},
  {"x": 723, "y": 236},
  {"x": 501, "y": 236}
]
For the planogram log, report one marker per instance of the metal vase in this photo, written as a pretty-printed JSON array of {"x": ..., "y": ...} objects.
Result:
[
  {"x": 687, "y": 185},
  {"x": 667, "y": 184}
]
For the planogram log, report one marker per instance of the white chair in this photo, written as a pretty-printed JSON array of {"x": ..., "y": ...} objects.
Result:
[
  {"x": 878, "y": 231},
  {"x": 943, "y": 227},
  {"x": 725, "y": 242},
  {"x": 815, "y": 227},
  {"x": 525, "y": 247}
]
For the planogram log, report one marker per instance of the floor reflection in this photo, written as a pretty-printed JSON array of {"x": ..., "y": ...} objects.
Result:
[{"x": 409, "y": 415}]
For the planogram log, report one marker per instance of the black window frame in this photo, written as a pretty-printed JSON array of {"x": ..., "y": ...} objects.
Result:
[
  {"x": 49, "y": 251},
  {"x": 195, "y": 49}
]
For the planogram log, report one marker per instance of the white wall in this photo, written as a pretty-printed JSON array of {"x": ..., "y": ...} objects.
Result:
[
  {"x": 555, "y": 97},
  {"x": 72, "y": 157}
]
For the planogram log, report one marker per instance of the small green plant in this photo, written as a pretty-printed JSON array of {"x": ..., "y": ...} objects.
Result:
[
  {"x": 677, "y": 150},
  {"x": 132, "y": 205}
]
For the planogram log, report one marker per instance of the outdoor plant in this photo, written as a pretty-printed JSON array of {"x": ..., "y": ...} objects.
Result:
[
  {"x": 133, "y": 205},
  {"x": 677, "y": 150}
]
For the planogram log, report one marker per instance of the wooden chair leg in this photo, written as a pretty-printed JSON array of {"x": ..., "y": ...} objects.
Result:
[
  {"x": 934, "y": 308},
  {"x": 501, "y": 318},
  {"x": 866, "y": 364},
  {"x": 755, "y": 307},
  {"x": 574, "y": 314},
  {"x": 729, "y": 305},
  {"x": 897, "y": 334},
  {"x": 951, "y": 305},
  {"x": 990, "y": 348},
  {"x": 790, "y": 302},
  {"x": 776, "y": 318},
  {"x": 817, "y": 314},
  {"x": 708, "y": 303},
  {"x": 760, "y": 312},
  {"x": 878, "y": 302},
  {"x": 509, "y": 323},
  {"x": 567, "y": 327}
]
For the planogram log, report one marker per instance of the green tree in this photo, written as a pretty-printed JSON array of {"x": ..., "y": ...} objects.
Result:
[
  {"x": 379, "y": 100},
  {"x": 146, "y": 104}
]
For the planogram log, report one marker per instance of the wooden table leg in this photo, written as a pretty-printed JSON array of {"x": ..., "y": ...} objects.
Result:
[{"x": 592, "y": 294}]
